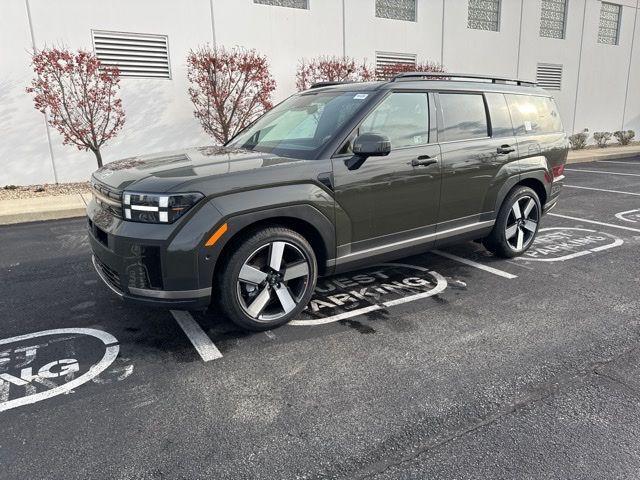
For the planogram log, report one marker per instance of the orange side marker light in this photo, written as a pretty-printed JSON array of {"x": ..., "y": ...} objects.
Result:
[{"x": 216, "y": 236}]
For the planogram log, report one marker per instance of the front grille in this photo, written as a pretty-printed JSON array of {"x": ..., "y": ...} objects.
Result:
[
  {"x": 107, "y": 197},
  {"x": 111, "y": 275}
]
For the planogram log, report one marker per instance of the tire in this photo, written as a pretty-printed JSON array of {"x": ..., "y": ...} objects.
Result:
[
  {"x": 517, "y": 224},
  {"x": 267, "y": 279}
]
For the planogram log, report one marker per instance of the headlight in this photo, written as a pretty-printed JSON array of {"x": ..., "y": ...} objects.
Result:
[{"x": 157, "y": 208}]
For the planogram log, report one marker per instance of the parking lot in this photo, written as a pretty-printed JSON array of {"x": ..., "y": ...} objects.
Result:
[{"x": 451, "y": 364}]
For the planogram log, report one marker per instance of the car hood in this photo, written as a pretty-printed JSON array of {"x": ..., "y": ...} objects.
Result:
[{"x": 173, "y": 171}]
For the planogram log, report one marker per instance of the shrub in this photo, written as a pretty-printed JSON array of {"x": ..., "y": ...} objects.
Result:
[
  {"x": 624, "y": 137},
  {"x": 388, "y": 71},
  {"x": 331, "y": 69},
  {"x": 602, "y": 138},
  {"x": 229, "y": 89},
  {"x": 79, "y": 97},
  {"x": 579, "y": 140}
]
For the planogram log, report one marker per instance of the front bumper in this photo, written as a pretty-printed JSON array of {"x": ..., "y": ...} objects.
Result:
[{"x": 155, "y": 265}]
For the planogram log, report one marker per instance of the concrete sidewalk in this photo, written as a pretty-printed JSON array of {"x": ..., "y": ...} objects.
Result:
[{"x": 67, "y": 206}]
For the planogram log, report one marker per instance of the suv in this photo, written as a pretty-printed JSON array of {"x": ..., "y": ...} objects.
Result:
[{"x": 332, "y": 179}]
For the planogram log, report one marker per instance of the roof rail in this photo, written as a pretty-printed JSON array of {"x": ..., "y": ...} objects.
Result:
[
  {"x": 327, "y": 84},
  {"x": 463, "y": 76}
]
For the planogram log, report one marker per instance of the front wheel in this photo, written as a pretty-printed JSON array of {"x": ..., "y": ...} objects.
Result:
[
  {"x": 268, "y": 279},
  {"x": 517, "y": 224}
]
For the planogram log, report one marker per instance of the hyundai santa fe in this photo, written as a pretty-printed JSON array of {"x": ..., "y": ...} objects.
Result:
[{"x": 332, "y": 179}]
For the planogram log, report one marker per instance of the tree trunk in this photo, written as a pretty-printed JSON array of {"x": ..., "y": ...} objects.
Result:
[{"x": 98, "y": 157}]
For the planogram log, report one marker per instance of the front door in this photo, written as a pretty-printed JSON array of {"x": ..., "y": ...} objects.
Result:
[{"x": 385, "y": 201}]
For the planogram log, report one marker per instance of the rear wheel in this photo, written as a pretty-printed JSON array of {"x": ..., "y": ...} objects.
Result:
[
  {"x": 517, "y": 223},
  {"x": 268, "y": 279}
]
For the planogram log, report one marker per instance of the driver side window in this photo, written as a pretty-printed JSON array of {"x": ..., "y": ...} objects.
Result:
[{"x": 403, "y": 117}]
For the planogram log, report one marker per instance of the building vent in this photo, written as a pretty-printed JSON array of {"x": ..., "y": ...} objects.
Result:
[
  {"x": 549, "y": 76},
  {"x": 386, "y": 59},
  {"x": 136, "y": 55}
]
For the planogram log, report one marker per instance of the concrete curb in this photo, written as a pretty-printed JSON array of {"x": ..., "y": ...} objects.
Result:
[
  {"x": 43, "y": 208},
  {"x": 593, "y": 154},
  {"x": 70, "y": 206}
]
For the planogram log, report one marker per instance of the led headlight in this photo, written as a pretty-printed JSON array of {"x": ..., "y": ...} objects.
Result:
[{"x": 157, "y": 208}]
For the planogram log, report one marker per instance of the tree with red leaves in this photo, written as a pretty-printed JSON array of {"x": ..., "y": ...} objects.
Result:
[
  {"x": 387, "y": 71},
  {"x": 331, "y": 69},
  {"x": 229, "y": 89},
  {"x": 78, "y": 96}
]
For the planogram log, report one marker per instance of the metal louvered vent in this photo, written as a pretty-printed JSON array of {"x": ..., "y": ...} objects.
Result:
[
  {"x": 136, "y": 55},
  {"x": 386, "y": 59},
  {"x": 549, "y": 76}
]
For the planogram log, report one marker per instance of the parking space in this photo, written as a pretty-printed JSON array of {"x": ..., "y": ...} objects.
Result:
[{"x": 389, "y": 371}]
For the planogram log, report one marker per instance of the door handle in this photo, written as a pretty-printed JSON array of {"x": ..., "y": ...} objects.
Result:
[
  {"x": 505, "y": 149},
  {"x": 423, "y": 161}
]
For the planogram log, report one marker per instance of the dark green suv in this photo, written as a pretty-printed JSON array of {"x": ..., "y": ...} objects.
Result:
[{"x": 332, "y": 179}]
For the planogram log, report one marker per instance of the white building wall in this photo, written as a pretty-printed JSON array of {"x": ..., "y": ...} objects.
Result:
[{"x": 159, "y": 113}]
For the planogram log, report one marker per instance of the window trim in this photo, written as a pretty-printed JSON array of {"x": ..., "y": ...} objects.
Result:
[{"x": 415, "y": 13}]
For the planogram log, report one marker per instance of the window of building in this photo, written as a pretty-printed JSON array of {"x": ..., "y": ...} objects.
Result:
[
  {"x": 549, "y": 76},
  {"x": 135, "y": 55},
  {"x": 396, "y": 9},
  {"x": 553, "y": 18},
  {"x": 386, "y": 60},
  {"x": 484, "y": 15},
  {"x": 403, "y": 117},
  {"x": 303, "y": 4},
  {"x": 534, "y": 115},
  {"x": 609, "y": 27},
  {"x": 463, "y": 116}
]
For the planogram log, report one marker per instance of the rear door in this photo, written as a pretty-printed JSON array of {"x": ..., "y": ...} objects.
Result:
[{"x": 478, "y": 155}]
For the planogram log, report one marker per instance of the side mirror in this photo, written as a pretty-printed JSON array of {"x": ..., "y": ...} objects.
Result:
[{"x": 371, "y": 145}]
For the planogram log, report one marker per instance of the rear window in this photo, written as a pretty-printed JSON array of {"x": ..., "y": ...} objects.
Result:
[
  {"x": 534, "y": 115},
  {"x": 463, "y": 116},
  {"x": 499, "y": 114}
]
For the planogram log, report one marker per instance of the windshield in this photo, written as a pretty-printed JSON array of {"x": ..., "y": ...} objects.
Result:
[{"x": 301, "y": 125}]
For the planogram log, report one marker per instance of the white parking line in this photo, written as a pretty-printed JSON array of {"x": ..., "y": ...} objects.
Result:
[
  {"x": 621, "y": 227},
  {"x": 604, "y": 190},
  {"x": 601, "y": 171},
  {"x": 200, "y": 340},
  {"x": 618, "y": 161},
  {"x": 471, "y": 263}
]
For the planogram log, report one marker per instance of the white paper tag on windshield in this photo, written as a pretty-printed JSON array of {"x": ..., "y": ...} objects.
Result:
[
  {"x": 361, "y": 96},
  {"x": 527, "y": 126}
]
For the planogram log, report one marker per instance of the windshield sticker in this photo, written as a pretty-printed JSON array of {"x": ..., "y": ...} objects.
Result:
[{"x": 361, "y": 96}]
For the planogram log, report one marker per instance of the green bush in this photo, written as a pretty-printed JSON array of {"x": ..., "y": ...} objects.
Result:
[
  {"x": 602, "y": 138},
  {"x": 579, "y": 140},
  {"x": 624, "y": 137}
]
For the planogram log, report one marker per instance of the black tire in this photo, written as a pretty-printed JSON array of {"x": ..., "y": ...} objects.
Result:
[
  {"x": 497, "y": 241},
  {"x": 254, "y": 251}
]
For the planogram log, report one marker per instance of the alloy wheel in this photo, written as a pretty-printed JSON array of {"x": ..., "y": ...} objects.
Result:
[
  {"x": 522, "y": 223},
  {"x": 273, "y": 280}
]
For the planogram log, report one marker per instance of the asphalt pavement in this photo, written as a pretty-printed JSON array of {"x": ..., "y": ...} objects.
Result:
[{"x": 451, "y": 364}]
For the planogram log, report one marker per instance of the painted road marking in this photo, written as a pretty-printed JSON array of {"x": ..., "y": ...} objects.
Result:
[
  {"x": 601, "y": 171},
  {"x": 375, "y": 291},
  {"x": 471, "y": 263},
  {"x": 621, "y": 227},
  {"x": 561, "y": 240},
  {"x": 634, "y": 214},
  {"x": 61, "y": 368},
  {"x": 604, "y": 190},
  {"x": 200, "y": 340},
  {"x": 618, "y": 161}
]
